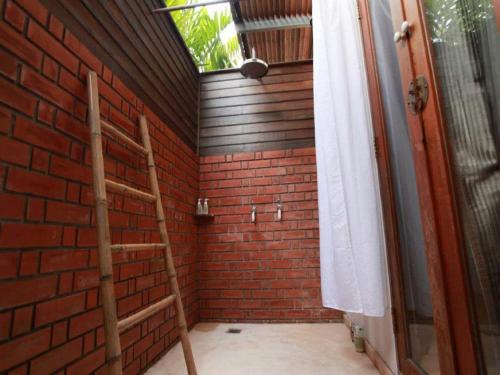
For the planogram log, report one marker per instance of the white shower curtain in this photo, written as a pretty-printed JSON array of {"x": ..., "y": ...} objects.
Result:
[{"x": 351, "y": 231}]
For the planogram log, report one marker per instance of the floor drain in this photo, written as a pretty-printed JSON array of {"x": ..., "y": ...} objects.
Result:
[{"x": 233, "y": 330}]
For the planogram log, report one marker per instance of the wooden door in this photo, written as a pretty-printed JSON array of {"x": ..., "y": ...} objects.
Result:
[{"x": 458, "y": 236}]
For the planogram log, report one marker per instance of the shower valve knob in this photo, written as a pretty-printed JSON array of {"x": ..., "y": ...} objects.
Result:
[{"x": 404, "y": 33}]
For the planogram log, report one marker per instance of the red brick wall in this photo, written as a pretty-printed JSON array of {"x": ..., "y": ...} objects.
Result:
[
  {"x": 50, "y": 316},
  {"x": 267, "y": 271}
]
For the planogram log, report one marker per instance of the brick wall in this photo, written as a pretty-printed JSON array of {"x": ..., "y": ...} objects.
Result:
[
  {"x": 268, "y": 270},
  {"x": 50, "y": 316}
]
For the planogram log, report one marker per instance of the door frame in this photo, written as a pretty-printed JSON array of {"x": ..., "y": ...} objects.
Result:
[{"x": 444, "y": 251}]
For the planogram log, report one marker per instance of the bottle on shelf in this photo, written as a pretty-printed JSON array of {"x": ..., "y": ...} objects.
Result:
[
  {"x": 199, "y": 207},
  {"x": 205, "y": 207}
]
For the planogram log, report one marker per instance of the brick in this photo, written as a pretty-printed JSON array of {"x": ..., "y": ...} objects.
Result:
[
  {"x": 23, "y": 291},
  {"x": 77, "y": 152},
  {"x": 60, "y": 308},
  {"x": 61, "y": 212},
  {"x": 5, "y": 319},
  {"x": 88, "y": 342},
  {"x": 16, "y": 97},
  {"x": 52, "y": 46},
  {"x": 63, "y": 260},
  {"x": 40, "y": 136},
  {"x": 70, "y": 170},
  {"x": 20, "y": 46},
  {"x": 259, "y": 164},
  {"x": 72, "y": 127},
  {"x": 275, "y": 154},
  {"x": 11, "y": 206},
  {"x": 87, "y": 364},
  {"x": 8, "y": 65},
  {"x": 65, "y": 282},
  {"x": 13, "y": 151},
  {"x": 36, "y": 209},
  {"x": 8, "y": 264},
  {"x": 40, "y": 160},
  {"x": 29, "y": 263},
  {"x": 86, "y": 279},
  {"x": 123, "y": 90},
  {"x": 46, "y": 113},
  {"x": 72, "y": 84},
  {"x": 87, "y": 237},
  {"x": 81, "y": 51},
  {"x": 5, "y": 121},
  {"x": 29, "y": 235},
  {"x": 23, "y": 181},
  {"x": 69, "y": 236},
  {"x": 57, "y": 358},
  {"x": 129, "y": 304},
  {"x": 59, "y": 333},
  {"x": 22, "y": 320},
  {"x": 85, "y": 322},
  {"x": 46, "y": 89},
  {"x": 56, "y": 27},
  {"x": 112, "y": 96},
  {"x": 73, "y": 192},
  {"x": 15, "y": 352},
  {"x": 14, "y": 15},
  {"x": 35, "y": 9},
  {"x": 130, "y": 270}
]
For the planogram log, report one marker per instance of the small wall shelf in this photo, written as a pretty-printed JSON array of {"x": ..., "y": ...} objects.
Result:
[{"x": 204, "y": 219}]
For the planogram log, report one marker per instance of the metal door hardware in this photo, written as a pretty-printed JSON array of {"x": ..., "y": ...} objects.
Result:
[
  {"x": 404, "y": 34},
  {"x": 418, "y": 95}
]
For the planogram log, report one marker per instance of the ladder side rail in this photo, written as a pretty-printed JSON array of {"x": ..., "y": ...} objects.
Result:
[
  {"x": 169, "y": 261},
  {"x": 112, "y": 338}
]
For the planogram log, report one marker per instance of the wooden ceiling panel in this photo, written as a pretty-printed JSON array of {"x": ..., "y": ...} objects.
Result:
[{"x": 278, "y": 46}]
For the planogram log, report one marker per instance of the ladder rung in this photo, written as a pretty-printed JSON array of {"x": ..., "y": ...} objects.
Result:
[
  {"x": 127, "y": 190},
  {"x": 124, "y": 138},
  {"x": 137, "y": 246},
  {"x": 146, "y": 313}
]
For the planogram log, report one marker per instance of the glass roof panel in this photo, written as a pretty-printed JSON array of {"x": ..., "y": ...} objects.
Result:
[{"x": 209, "y": 34}]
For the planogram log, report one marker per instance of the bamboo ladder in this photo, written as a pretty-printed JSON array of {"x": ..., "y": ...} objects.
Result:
[{"x": 113, "y": 327}]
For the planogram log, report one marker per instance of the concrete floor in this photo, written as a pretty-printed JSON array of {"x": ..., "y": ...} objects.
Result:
[{"x": 269, "y": 349}]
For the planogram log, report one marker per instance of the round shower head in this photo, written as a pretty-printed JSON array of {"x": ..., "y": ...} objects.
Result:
[{"x": 254, "y": 67}]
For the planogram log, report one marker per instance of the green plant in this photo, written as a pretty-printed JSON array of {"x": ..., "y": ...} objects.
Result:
[
  {"x": 201, "y": 31},
  {"x": 450, "y": 19}
]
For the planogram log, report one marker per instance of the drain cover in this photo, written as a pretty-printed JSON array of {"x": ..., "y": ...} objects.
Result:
[{"x": 233, "y": 330}]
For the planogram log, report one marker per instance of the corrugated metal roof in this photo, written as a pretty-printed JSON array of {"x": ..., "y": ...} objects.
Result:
[{"x": 276, "y": 46}]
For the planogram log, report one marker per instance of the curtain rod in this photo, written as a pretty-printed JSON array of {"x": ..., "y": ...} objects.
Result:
[{"x": 189, "y": 6}]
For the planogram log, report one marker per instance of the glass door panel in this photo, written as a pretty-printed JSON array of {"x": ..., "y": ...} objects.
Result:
[
  {"x": 465, "y": 36},
  {"x": 419, "y": 331}
]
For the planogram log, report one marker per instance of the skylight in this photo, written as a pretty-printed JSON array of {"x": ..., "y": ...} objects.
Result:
[{"x": 209, "y": 34}]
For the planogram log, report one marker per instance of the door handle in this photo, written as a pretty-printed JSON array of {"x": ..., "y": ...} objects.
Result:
[{"x": 404, "y": 34}]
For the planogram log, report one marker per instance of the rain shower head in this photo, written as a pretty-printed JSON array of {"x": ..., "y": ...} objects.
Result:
[{"x": 254, "y": 68}]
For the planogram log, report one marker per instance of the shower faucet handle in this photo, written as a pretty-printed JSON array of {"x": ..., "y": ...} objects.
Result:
[
  {"x": 279, "y": 207},
  {"x": 253, "y": 215}
]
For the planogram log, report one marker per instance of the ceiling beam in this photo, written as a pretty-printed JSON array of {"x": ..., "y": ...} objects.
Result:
[{"x": 276, "y": 23}]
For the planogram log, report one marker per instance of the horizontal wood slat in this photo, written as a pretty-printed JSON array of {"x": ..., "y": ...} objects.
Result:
[
  {"x": 138, "y": 317},
  {"x": 239, "y": 115},
  {"x": 129, "y": 191}
]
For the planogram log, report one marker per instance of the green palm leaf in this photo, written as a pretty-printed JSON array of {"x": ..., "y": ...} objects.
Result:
[{"x": 202, "y": 34}]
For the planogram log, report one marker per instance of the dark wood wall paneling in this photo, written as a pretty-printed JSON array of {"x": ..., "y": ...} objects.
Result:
[
  {"x": 144, "y": 50},
  {"x": 239, "y": 115}
]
